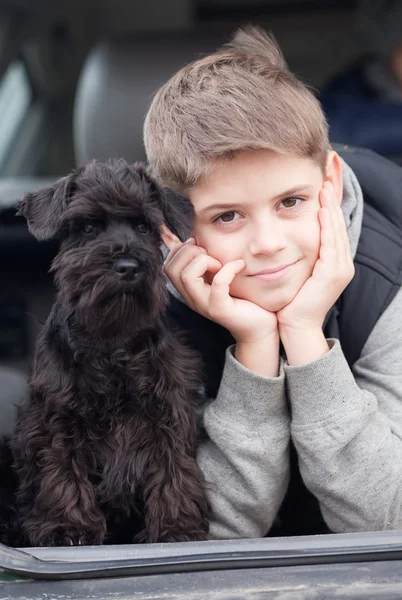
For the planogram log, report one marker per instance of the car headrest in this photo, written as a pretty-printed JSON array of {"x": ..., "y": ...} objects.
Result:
[{"x": 115, "y": 90}]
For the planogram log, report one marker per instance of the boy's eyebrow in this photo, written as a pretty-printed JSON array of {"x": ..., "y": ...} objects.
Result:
[
  {"x": 214, "y": 207},
  {"x": 286, "y": 193}
]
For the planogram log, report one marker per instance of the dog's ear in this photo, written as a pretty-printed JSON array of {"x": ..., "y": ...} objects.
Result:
[
  {"x": 178, "y": 212},
  {"x": 43, "y": 209}
]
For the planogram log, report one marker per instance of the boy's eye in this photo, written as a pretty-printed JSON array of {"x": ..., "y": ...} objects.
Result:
[
  {"x": 228, "y": 217},
  {"x": 290, "y": 202}
]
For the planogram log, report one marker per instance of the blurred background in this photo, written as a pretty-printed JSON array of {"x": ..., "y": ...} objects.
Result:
[{"x": 76, "y": 79}]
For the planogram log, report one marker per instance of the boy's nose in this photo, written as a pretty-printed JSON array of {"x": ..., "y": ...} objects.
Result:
[{"x": 267, "y": 240}]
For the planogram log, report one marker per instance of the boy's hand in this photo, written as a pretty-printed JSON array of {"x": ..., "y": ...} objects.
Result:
[
  {"x": 304, "y": 316},
  {"x": 187, "y": 265}
]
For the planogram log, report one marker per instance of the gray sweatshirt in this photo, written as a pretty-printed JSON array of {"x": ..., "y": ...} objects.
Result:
[{"x": 346, "y": 425}]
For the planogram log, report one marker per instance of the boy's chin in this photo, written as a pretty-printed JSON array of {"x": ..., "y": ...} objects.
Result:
[
  {"x": 273, "y": 303},
  {"x": 273, "y": 307}
]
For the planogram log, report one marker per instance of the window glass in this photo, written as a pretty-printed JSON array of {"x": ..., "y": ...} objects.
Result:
[{"x": 15, "y": 97}]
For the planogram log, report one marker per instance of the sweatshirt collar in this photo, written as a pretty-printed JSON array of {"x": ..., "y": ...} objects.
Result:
[{"x": 352, "y": 206}]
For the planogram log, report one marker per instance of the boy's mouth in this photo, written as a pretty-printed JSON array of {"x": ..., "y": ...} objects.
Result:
[{"x": 274, "y": 273}]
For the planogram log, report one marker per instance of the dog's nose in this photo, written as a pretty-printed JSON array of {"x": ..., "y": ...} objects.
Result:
[{"x": 127, "y": 268}]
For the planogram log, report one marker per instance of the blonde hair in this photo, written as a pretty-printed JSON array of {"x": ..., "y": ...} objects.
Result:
[{"x": 242, "y": 97}]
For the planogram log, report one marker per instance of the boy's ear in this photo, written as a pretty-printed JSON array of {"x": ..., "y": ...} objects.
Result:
[
  {"x": 334, "y": 174},
  {"x": 43, "y": 209}
]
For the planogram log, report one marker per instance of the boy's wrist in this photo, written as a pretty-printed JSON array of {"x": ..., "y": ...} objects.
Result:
[
  {"x": 260, "y": 356},
  {"x": 303, "y": 346}
]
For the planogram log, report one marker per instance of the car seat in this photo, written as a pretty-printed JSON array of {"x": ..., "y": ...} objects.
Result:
[{"x": 115, "y": 89}]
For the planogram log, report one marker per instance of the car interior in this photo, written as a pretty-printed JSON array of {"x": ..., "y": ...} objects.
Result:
[
  {"x": 75, "y": 85},
  {"x": 76, "y": 80}
]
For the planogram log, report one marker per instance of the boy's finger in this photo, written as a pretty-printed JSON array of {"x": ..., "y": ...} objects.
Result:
[
  {"x": 323, "y": 195},
  {"x": 339, "y": 226},
  {"x": 343, "y": 258},
  {"x": 333, "y": 234},
  {"x": 327, "y": 247},
  {"x": 335, "y": 224},
  {"x": 170, "y": 240},
  {"x": 178, "y": 261},
  {"x": 179, "y": 257},
  {"x": 198, "y": 267},
  {"x": 344, "y": 235},
  {"x": 219, "y": 293},
  {"x": 175, "y": 248},
  {"x": 193, "y": 283},
  {"x": 340, "y": 230}
]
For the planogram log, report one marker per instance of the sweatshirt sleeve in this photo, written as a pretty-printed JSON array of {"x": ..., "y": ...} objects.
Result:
[
  {"x": 347, "y": 429},
  {"x": 246, "y": 458}
]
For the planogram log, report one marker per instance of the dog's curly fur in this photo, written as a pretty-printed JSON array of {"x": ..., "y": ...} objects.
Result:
[{"x": 104, "y": 450}]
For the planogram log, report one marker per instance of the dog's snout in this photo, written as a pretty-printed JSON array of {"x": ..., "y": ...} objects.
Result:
[{"x": 127, "y": 268}]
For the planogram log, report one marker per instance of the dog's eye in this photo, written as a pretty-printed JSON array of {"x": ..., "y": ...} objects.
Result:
[
  {"x": 90, "y": 228},
  {"x": 142, "y": 228}
]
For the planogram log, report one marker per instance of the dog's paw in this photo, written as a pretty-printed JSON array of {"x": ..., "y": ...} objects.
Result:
[
  {"x": 82, "y": 538},
  {"x": 68, "y": 536},
  {"x": 74, "y": 540}
]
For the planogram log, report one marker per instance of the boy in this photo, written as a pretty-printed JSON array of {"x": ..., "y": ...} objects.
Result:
[{"x": 304, "y": 370}]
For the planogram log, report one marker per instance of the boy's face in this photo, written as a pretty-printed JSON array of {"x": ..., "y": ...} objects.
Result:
[{"x": 262, "y": 207}]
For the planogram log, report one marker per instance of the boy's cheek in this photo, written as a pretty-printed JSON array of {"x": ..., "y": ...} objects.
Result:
[{"x": 218, "y": 249}]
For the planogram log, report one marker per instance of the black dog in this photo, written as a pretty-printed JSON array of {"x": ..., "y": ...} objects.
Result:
[{"x": 105, "y": 449}]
